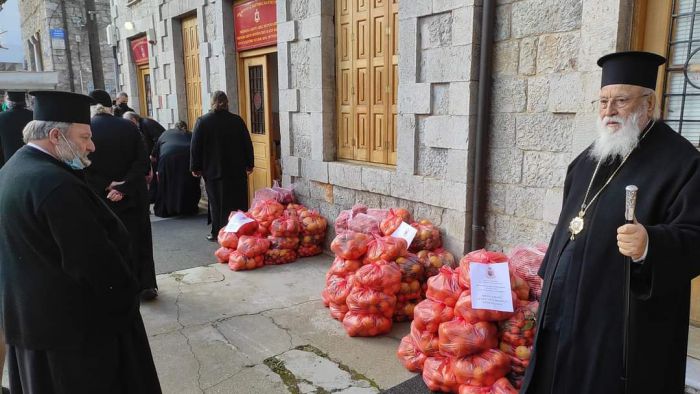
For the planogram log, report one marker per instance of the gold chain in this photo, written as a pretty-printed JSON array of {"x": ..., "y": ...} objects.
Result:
[{"x": 585, "y": 206}]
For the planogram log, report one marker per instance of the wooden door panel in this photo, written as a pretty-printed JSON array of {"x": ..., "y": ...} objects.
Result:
[
  {"x": 258, "y": 117},
  {"x": 193, "y": 82}
]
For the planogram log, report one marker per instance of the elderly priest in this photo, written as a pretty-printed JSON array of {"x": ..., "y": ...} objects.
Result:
[{"x": 69, "y": 302}]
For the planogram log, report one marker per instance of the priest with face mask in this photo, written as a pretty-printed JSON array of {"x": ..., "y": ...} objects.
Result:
[
  {"x": 579, "y": 344},
  {"x": 69, "y": 302}
]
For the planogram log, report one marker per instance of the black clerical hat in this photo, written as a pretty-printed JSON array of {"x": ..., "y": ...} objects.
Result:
[
  {"x": 101, "y": 97},
  {"x": 57, "y": 106},
  {"x": 16, "y": 97},
  {"x": 631, "y": 68}
]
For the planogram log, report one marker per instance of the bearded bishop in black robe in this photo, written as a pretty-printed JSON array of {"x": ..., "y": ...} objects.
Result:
[{"x": 579, "y": 344}]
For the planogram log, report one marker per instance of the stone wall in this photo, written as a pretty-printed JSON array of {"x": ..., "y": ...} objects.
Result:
[
  {"x": 436, "y": 114},
  {"x": 545, "y": 76},
  {"x": 216, "y": 48},
  {"x": 39, "y": 16}
]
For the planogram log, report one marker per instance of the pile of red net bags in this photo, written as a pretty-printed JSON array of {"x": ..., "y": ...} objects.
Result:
[
  {"x": 274, "y": 231},
  {"x": 460, "y": 349},
  {"x": 422, "y": 259}
]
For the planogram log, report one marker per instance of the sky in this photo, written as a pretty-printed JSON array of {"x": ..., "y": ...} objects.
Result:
[{"x": 9, "y": 20}]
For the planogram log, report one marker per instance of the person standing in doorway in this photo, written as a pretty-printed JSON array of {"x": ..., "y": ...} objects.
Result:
[
  {"x": 222, "y": 152},
  {"x": 121, "y": 105},
  {"x": 118, "y": 175}
]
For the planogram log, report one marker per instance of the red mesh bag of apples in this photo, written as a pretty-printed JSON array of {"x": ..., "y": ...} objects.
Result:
[
  {"x": 239, "y": 262},
  {"x": 343, "y": 267},
  {"x": 364, "y": 300},
  {"x": 251, "y": 246},
  {"x": 429, "y": 314},
  {"x": 501, "y": 386},
  {"x": 381, "y": 275},
  {"x": 427, "y": 236},
  {"x": 337, "y": 289},
  {"x": 464, "y": 309},
  {"x": 350, "y": 245},
  {"x": 409, "y": 355},
  {"x": 433, "y": 260},
  {"x": 386, "y": 248},
  {"x": 483, "y": 256},
  {"x": 312, "y": 223},
  {"x": 248, "y": 228},
  {"x": 364, "y": 223},
  {"x": 222, "y": 254},
  {"x": 286, "y": 225},
  {"x": 444, "y": 287},
  {"x": 482, "y": 369},
  {"x": 283, "y": 242},
  {"x": 525, "y": 262},
  {"x": 227, "y": 239},
  {"x": 309, "y": 250},
  {"x": 458, "y": 338},
  {"x": 438, "y": 375},
  {"x": 366, "y": 324},
  {"x": 426, "y": 341},
  {"x": 280, "y": 256},
  {"x": 394, "y": 219}
]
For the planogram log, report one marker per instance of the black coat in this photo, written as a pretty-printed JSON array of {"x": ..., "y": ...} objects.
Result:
[
  {"x": 178, "y": 191},
  {"x": 12, "y": 123},
  {"x": 119, "y": 156},
  {"x": 666, "y": 168},
  {"x": 64, "y": 258},
  {"x": 151, "y": 131},
  {"x": 121, "y": 109},
  {"x": 221, "y": 146}
]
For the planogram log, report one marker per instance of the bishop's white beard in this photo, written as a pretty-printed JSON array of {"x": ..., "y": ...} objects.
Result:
[{"x": 612, "y": 144}]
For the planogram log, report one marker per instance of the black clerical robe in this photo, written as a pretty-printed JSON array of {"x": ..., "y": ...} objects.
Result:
[
  {"x": 580, "y": 349},
  {"x": 178, "y": 191},
  {"x": 68, "y": 297},
  {"x": 12, "y": 124},
  {"x": 222, "y": 151}
]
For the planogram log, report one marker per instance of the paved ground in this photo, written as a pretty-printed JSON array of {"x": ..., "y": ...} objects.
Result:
[{"x": 213, "y": 330}]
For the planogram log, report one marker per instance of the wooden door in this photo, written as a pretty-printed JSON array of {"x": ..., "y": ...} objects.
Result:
[
  {"x": 193, "y": 81},
  {"x": 258, "y": 116},
  {"x": 367, "y": 79},
  {"x": 145, "y": 99}
]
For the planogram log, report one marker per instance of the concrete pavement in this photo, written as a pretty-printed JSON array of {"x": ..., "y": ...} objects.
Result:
[{"x": 213, "y": 330}]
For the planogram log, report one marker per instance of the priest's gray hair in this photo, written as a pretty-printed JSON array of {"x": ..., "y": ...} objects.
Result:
[
  {"x": 130, "y": 115},
  {"x": 39, "y": 129},
  {"x": 100, "y": 109},
  {"x": 656, "y": 112}
]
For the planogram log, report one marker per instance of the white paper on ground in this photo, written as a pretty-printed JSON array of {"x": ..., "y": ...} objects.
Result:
[
  {"x": 236, "y": 222},
  {"x": 490, "y": 286},
  {"x": 406, "y": 232}
]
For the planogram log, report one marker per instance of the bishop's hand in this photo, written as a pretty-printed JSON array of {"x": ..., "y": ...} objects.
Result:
[{"x": 632, "y": 240}]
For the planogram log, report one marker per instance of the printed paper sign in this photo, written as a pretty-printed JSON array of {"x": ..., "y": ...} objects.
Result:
[
  {"x": 236, "y": 222},
  {"x": 406, "y": 232},
  {"x": 490, "y": 286}
]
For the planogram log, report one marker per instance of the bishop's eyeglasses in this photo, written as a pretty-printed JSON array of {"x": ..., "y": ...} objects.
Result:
[{"x": 619, "y": 102}]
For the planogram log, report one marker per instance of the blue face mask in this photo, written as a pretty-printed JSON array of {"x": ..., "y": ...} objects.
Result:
[{"x": 75, "y": 163}]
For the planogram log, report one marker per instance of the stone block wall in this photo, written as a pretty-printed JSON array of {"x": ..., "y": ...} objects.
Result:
[
  {"x": 217, "y": 63},
  {"x": 545, "y": 76},
  {"x": 436, "y": 109}
]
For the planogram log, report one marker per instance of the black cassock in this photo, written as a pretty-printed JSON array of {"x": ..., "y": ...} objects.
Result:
[
  {"x": 150, "y": 131},
  {"x": 69, "y": 300},
  {"x": 578, "y": 348},
  {"x": 120, "y": 156},
  {"x": 178, "y": 191},
  {"x": 222, "y": 151},
  {"x": 12, "y": 123}
]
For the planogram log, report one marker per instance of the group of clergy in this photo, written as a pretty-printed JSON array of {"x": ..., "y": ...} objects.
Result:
[{"x": 73, "y": 221}]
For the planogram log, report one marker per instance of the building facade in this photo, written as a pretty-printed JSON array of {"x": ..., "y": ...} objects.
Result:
[
  {"x": 375, "y": 101},
  {"x": 69, "y": 37}
]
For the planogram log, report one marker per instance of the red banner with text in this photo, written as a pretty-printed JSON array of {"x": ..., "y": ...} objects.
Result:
[
  {"x": 255, "y": 24},
  {"x": 139, "y": 50}
]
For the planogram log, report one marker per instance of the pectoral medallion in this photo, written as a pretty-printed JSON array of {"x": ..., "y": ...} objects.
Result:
[{"x": 576, "y": 225}]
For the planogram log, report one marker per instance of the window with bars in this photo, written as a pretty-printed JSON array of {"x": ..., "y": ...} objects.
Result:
[{"x": 681, "y": 92}]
